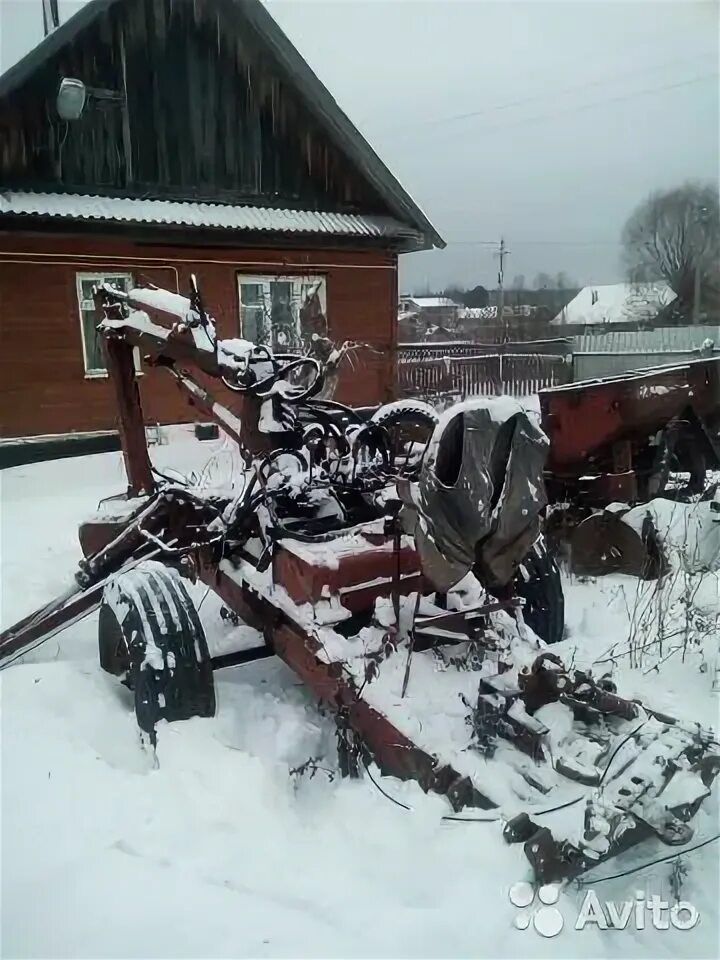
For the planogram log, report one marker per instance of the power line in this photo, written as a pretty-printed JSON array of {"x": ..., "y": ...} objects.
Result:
[
  {"x": 598, "y": 103},
  {"x": 619, "y": 99},
  {"x": 454, "y": 118},
  {"x": 561, "y": 243}
]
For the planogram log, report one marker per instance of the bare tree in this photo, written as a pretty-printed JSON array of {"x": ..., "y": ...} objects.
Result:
[
  {"x": 674, "y": 235},
  {"x": 477, "y": 297},
  {"x": 518, "y": 289},
  {"x": 455, "y": 292}
]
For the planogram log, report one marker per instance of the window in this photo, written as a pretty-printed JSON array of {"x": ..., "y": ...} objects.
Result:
[
  {"x": 282, "y": 312},
  {"x": 91, "y": 341}
]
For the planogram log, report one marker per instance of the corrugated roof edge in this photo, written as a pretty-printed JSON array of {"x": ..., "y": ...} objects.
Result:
[
  {"x": 71, "y": 206},
  {"x": 314, "y": 91}
]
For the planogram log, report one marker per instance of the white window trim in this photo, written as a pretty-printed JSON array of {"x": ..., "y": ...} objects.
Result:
[
  {"x": 99, "y": 277},
  {"x": 298, "y": 280}
]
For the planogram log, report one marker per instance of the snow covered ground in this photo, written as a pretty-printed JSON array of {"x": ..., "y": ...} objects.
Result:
[{"x": 219, "y": 851}]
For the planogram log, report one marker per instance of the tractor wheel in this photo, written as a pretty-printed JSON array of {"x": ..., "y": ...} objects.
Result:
[
  {"x": 538, "y": 583},
  {"x": 150, "y": 635},
  {"x": 407, "y": 424}
]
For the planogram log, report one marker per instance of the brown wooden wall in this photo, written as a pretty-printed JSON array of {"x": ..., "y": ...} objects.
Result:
[
  {"x": 43, "y": 388},
  {"x": 210, "y": 115}
]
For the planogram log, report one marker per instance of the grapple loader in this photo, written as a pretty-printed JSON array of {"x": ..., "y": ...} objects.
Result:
[{"x": 394, "y": 560}]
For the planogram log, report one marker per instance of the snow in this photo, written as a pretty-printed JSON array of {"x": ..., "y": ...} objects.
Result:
[
  {"x": 267, "y": 421},
  {"x": 175, "y": 304},
  {"x": 235, "y": 353},
  {"x": 164, "y": 300},
  {"x": 633, "y": 376},
  {"x": 234, "y": 423},
  {"x": 216, "y": 849},
  {"x": 690, "y": 531},
  {"x": 429, "y": 303},
  {"x": 228, "y": 216},
  {"x": 479, "y": 313},
  {"x": 117, "y": 508},
  {"x": 616, "y": 303},
  {"x": 500, "y": 409},
  {"x": 139, "y": 320}
]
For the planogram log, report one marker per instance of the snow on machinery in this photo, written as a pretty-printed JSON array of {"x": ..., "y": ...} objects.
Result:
[
  {"x": 621, "y": 441},
  {"x": 394, "y": 560}
]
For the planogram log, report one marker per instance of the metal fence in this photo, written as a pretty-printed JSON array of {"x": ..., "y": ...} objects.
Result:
[
  {"x": 605, "y": 354},
  {"x": 520, "y": 368},
  {"x": 463, "y": 374}
]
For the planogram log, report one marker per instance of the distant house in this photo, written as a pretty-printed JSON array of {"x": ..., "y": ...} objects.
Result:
[
  {"x": 479, "y": 313},
  {"x": 191, "y": 138},
  {"x": 438, "y": 334},
  {"x": 617, "y": 303},
  {"x": 440, "y": 311},
  {"x": 411, "y": 327},
  {"x": 471, "y": 321}
]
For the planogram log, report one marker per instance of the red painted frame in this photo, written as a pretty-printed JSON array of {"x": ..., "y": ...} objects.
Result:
[{"x": 395, "y": 753}]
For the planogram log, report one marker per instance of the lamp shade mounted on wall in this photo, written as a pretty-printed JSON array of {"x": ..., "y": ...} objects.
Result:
[{"x": 71, "y": 99}]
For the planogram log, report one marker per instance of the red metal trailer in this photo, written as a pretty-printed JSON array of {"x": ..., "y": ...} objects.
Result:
[{"x": 617, "y": 439}]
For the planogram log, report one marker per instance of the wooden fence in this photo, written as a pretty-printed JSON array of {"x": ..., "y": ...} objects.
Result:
[{"x": 462, "y": 372}]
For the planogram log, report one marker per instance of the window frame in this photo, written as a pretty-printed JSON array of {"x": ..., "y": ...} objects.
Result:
[
  {"x": 265, "y": 280},
  {"x": 99, "y": 277}
]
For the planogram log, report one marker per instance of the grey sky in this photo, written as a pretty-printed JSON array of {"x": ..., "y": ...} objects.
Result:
[{"x": 582, "y": 107}]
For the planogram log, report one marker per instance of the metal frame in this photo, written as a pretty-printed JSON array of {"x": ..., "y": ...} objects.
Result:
[{"x": 395, "y": 754}]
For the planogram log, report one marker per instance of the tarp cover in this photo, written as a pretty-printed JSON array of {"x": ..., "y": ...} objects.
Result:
[{"x": 480, "y": 493}]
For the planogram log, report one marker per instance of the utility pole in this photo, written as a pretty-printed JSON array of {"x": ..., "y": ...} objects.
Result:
[
  {"x": 502, "y": 253},
  {"x": 696, "y": 296}
]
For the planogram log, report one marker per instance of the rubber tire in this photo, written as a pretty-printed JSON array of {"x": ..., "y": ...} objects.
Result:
[
  {"x": 420, "y": 414},
  {"x": 544, "y": 610},
  {"x": 176, "y": 681},
  {"x": 409, "y": 415}
]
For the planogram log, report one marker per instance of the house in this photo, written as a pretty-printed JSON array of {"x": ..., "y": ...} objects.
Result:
[
  {"x": 438, "y": 334},
  {"x": 411, "y": 327},
  {"x": 441, "y": 311},
  {"x": 617, "y": 303},
  {"x": 472, "y": 320},
  {"x": 142, "y": 142}
]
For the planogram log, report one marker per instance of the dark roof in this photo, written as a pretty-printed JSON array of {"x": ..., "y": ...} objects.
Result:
[{"x": 310, "y": 88}]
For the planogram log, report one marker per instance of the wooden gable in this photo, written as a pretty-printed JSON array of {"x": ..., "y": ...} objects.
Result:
[{"x": 212, "y": 114}]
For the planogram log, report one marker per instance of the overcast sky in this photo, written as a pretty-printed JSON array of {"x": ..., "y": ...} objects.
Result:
[{"x": 539, "y": 120}]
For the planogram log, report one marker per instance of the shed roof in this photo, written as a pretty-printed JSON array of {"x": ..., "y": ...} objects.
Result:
[
  {"x": 428, "y": 303},
  {"x": 616, "y": 303}
]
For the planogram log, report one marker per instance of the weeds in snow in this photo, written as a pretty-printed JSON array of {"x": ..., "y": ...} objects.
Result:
[
  {"x": 670, "y": 617},
  {"x": 678, "y": 874},
  {"x": 311, "y": 767}
]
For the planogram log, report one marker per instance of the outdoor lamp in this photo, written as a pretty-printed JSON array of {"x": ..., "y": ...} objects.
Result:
[{"x": 71, "y": 99}]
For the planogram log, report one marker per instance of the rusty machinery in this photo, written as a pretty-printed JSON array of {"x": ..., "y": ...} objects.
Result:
[
  {"x": 618, "y": 441},
  {"x": 337, "y": 512}
]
